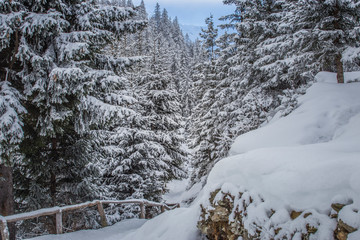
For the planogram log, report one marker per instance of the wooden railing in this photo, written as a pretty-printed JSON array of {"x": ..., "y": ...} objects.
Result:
[{"x": 57, "y": 211}]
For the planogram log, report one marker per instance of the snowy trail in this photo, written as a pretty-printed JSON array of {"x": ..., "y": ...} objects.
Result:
[{"x": 115, "y": 232}]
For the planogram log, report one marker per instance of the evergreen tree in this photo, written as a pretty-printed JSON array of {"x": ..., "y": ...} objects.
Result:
[
  {"x": 11, "y": 108},
  {"x": 77, "y": 112},
  {"x": 57, "y": 47},
  {"x": 197, "y": 56},
  {"x": 144, "y": 151},
  {"x": 163, "y": 121},
  {"x": 209, "y": 36},
  {"x": 204, "y": 132},
  {"x": 254, "y": 70},
  {"x": 204, "y": 139},
  {"x": 140, "y": 38},
  {"x": 157, "y": 16},
  {"x": 212, "y": 132},
  {"x": 142, "y": 10},
  {"x": 11, "y": 132},
  {"x": 335, "y": 29}
]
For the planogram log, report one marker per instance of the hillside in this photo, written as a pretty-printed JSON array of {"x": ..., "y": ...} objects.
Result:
[
  {"x": 302, "y": 163},
  {"x": 305, "y": 161}
]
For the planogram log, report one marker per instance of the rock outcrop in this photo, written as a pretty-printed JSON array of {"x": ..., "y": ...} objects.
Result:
[{"x": 247, "y": 215}]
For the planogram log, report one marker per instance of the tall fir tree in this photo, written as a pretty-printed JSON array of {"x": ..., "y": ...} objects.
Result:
[
  {"x": 12, "y": 14},
  {"x": 144, "y": 151},
  {"x": 52, "y": 52},
  {"x": 209, "y": 36},
  {"x": 335, "y": 30},
  {"x": 204, "y": 134},
  {"x": 256, "y": 72}
]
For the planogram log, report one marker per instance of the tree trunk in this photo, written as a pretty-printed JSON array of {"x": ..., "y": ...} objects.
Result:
[
  {"x": 339, "y": 65},
  {"x": 339, "y": 69},
  {"x": 6, "y": 196}
]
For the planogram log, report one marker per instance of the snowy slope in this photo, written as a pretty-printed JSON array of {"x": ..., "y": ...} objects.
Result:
[
  {"x": 304, "y": 161},
  {"x": 322, "y": 112},
  {"x": 308, "y": 157}
]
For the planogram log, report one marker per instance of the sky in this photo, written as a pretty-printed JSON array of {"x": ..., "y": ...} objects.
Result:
[{"x": 190, "y": 12}]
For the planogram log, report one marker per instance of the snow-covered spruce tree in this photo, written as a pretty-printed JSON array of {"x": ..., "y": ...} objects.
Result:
[
  {"x": 216, "y": 124},
  {"x": 147, "y": 146},
  {"x": 11, "y": 134},
  {"x": 58, "y": 51},
  {"x": 205, "y": 134},
  {"x": 272, "y": 60},
  {"x": 113, "y": 129},
  {"x": 335, "y": 28},
  {"x": 165, "y": 35},
  {"x": 209, "y": 36},
  {"x": 10, "y": 98},
  {"x": 257, "y": 37},
  {"x": 256, "y": 73},
  {"x": 11, "y": 108},
  {"x": 159, "y": 101},
  {"x": 180, "y": 66},
  {"x": 143, "y": 151},
  {"x": 166, "y": 26},
  {"x": 281, "y": 61},
  {"x": 197, "y": 56},
  {"x": 158, "y": 149},
  {"x": 140, "y": 38},
  {"x": 131, "y": 44}
]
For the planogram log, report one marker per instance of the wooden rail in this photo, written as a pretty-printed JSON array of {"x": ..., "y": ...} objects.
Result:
[{"x": 57, "y": 211}]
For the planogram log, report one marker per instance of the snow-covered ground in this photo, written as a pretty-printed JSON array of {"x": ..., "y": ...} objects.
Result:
[
  {"x": 304, "y": 161},
  {"x": 115, "y": 232}
]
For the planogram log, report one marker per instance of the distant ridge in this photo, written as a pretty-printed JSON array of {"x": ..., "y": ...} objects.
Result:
[{"x": 192, "y": 30}]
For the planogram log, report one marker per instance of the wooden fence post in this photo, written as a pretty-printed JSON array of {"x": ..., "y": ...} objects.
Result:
[
  {"x": 102, "y": 214},
  {"x": 4, "y": 230},
  {"x": 59, "y": 225},
  {"x": 142, "y": 209}
]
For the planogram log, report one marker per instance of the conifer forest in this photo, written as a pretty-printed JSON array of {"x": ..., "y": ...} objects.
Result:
[{"x": 108, "y": 100}]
